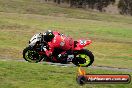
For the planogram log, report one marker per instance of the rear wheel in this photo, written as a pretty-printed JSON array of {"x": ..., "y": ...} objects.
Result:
[
  {"x": 31, "y": 55},
  {"x": 84, "y": 58}
]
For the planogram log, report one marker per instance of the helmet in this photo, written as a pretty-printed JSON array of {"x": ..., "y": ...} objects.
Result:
[{"x": 48, "y": 36}]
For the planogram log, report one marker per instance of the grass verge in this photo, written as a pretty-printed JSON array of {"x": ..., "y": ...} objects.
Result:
[{"x": 23, "y": 75}]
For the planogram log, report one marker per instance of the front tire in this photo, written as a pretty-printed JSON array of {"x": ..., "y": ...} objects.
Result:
[
  {"x": 31, "y": 55},
  {"x": 84, "y": 58}
]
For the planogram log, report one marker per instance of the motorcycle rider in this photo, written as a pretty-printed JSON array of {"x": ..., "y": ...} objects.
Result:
[{"x": 57, "y": 41}]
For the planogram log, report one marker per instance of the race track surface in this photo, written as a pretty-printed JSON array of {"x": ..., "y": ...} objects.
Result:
[{"x": 69, "y": 65}]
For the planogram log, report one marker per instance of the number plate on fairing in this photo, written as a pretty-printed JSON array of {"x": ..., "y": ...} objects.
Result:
[{"x": 83, "y": 42}]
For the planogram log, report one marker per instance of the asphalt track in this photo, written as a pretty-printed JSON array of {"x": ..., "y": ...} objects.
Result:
[
  {"x": 72, "y": 65},
  {"x": 93, "y": 67}
]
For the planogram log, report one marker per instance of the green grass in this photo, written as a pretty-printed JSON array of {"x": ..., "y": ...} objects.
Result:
[
  {"x": 23, "y": 75},
  {"x": 37, "y": 7}
]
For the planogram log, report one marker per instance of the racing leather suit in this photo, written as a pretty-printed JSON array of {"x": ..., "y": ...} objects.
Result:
[{"x": 60, "y": 41}]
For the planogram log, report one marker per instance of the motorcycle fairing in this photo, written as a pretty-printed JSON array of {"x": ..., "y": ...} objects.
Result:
[{"x": 81, "y": 44}]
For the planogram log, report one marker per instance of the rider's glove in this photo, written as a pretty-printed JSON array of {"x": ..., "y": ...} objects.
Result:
[{"x": 44, "y": 48}]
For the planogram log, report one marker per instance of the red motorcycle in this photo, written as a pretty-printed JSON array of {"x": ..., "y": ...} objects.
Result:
[{"x": 78, "y": 56}]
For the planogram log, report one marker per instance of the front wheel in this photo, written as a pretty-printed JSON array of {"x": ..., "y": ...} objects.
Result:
[
  {"x": 84, "y": 58},
  {"x": 31, "y": 55}
]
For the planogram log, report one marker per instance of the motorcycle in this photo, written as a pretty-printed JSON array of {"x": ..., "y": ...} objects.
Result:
[{"x": 78, "y": 56}]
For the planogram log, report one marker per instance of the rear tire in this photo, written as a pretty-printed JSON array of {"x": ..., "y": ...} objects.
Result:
[
  {"x": 84, "y": 62},
  {"x": 31, "y": 55}
]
